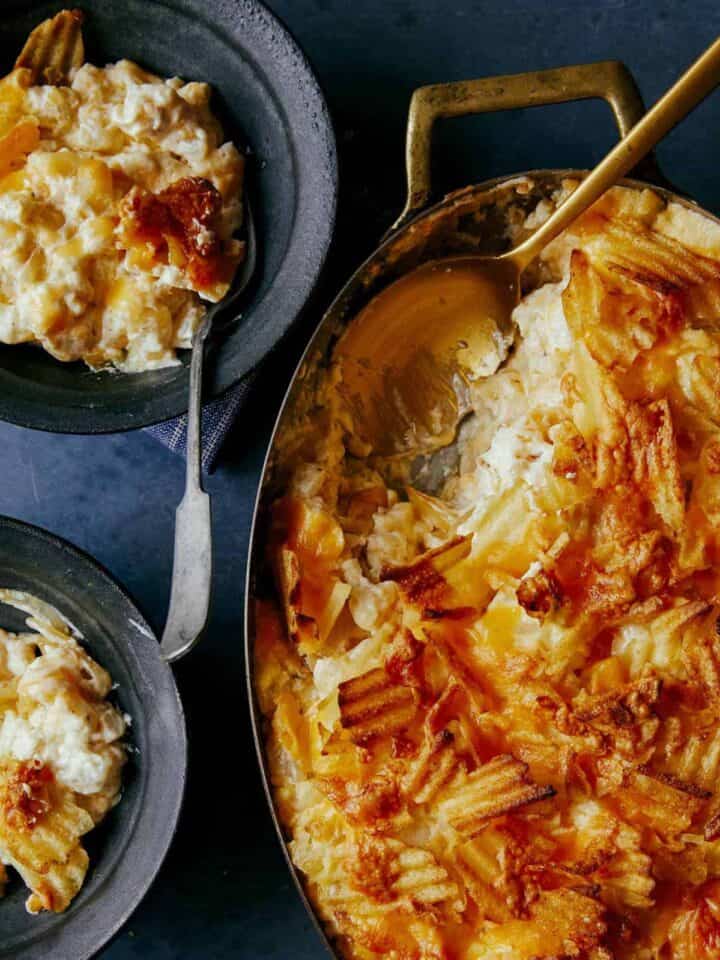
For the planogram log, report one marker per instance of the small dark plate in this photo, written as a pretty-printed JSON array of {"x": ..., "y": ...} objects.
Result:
[
  {"x": 126, "y": 851},
  {"x": 268, "y": 99}
]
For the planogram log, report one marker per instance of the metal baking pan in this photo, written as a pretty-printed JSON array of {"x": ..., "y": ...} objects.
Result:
[
  {"x": 270, "y": 103},
  {"x": 424, "y": 233}
]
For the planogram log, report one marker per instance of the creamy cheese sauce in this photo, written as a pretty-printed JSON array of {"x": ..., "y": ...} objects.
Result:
[
  {"x": 561, "y": 599},
  {"x": 55, "y": 711},
  {"x": 66, "y": 278}
]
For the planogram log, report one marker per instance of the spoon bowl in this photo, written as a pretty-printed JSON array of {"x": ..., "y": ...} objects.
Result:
[
  {"x": 412, "y": 352},
  {"x": 407, "y": 359}
]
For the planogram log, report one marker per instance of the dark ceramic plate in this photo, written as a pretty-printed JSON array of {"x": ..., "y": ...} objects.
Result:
[
  {"x": 126, "y": 851},
  {"x": 268, "y": 99}
]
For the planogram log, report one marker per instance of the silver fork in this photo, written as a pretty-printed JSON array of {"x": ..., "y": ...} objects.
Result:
[{"x": 192, "y": 556}]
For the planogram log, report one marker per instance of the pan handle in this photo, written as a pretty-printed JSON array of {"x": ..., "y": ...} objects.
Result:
[{"x": 609, "y": 80}]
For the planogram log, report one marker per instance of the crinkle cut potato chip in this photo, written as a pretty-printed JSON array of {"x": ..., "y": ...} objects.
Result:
[
  {"x": 54, "y": 49},
  {"x": 61, "y": 753},
  {"x": 40, "y": 830},
  {"x": 494, "y": 715}
]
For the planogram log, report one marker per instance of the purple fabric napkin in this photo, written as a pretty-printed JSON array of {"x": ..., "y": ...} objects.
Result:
[{"x": 217, "y": 418}]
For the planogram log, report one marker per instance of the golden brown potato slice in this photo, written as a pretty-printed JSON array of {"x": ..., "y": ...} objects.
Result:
[
  {"x": 625, "y": 878},
  {"x": 423, "y": 581},
  {"x": 13, "y": 88},
  {"x": 618, "y": 314},
  {"x": 694, "y": 932},
  {"x": 600, "y": 417},
  {"x": 420, "y": 877},
  {"x": 485, "y": 864},
  {"x": 561, "y": 923},
  {"x": 16, "y": 145},
  {"x": 313, "y": 597},
  {"x": 498, "y": 787},
  {"x": 649, "y": 257},
  {"x": 655, "y": 460},
  {"x": 436, "y": 766},
  {"x": 40, "y": 830},
  {"x": 388, "y": 870},
  {"x": 659, "y": 801},
  {"x": 54, "y": 50},
  {"x": 374, "y": 704}
]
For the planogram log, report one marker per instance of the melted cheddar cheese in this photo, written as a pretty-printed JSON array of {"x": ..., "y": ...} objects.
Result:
[
  {"x": 493, "y": 716},
  {"x": 118, "y": 204}
]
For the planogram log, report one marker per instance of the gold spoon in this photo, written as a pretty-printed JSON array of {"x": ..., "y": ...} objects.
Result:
[{"x": 409, "y": 355}]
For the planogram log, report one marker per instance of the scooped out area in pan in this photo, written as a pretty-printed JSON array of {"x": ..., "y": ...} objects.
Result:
[{"x": 490, "y": 714}]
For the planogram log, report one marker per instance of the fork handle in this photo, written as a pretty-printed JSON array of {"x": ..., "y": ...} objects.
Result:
[{"x": 192, "y": 557}]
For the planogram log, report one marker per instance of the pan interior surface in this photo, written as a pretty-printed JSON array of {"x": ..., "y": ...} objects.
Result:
[
  {"x": 127, "y": 849},
  {"x": 269, "y": 104}
]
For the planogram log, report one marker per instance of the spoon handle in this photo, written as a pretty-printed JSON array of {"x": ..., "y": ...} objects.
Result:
[
  {"x": 695, "y": 84},
  {"x": 192, "y": 558}
]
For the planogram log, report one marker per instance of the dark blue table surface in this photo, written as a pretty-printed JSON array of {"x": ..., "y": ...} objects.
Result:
[{"x": 224, "y": 891}]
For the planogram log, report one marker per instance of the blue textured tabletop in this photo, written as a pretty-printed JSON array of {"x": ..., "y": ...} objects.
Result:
[{"x": 224, "y": 891}]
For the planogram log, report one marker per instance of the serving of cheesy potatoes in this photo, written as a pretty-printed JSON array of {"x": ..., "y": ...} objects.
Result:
[
  {"x": 493, "y": 715},
  {"x": 61, "y": 753},
  {"x": 119, "y": 199}
]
